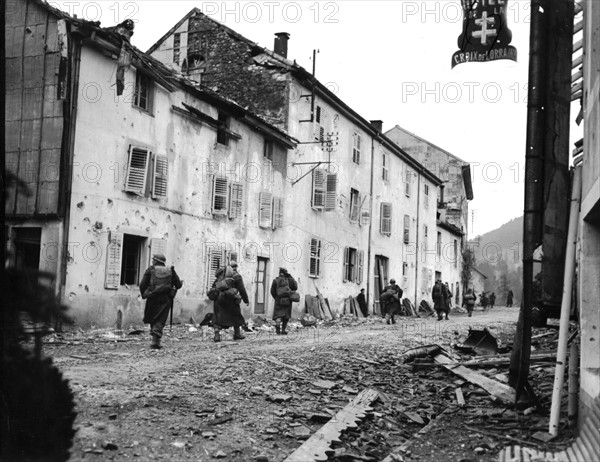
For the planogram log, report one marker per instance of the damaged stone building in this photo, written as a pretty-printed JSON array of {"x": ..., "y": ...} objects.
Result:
[{"x": 207, "y": 148}]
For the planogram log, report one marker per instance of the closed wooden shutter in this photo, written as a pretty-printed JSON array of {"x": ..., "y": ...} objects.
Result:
[
  {"x": 315, "y": 258},
  {"x": 215, "y": 260},
  {"x": 331, "y": 192},
  {"x": 159, "y": 187},
  {"x": 318, "y": 190},
  {"x": 137, "y": 170},
  {"x": 112, "y": 275},
  {"x": 220, "y": 196},
  {"x": 361, "y": 263},
  {"x": 406, "y": 229},
  {"x": 385, "y": 225},
  {"x": 277, "y": 212},
  {"x": 346, "y": 263},
  {"x": 236, "y": 200},
  {"x": 265, "y": 200}
]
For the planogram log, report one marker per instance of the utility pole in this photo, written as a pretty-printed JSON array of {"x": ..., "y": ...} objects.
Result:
[{"x": 549, "y": 61}]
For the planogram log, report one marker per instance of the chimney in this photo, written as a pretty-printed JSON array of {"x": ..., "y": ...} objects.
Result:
[
  {"x": 378, "y": 124},
  {"x": 281, "y": 43}
]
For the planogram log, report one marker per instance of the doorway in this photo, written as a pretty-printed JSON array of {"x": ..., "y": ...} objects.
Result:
[
  {"x": 381, "y": 279},
  {"x": 260, "y": 298}
]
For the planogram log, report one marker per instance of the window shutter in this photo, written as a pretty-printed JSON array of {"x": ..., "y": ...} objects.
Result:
[
  {"x": 406, "y": 229},
  {"x": 220, "y": 196},
  {"x": 158, "y": 245},
  {"x": 161, "y": 167},
  {"x": 365, "y": 217},
  {"x": 346, "y": 263},
  {"x": 331, "y": 193},
  {"x": 361, "y": 263},
  {"x": 315, "y": 258},
  {"x": 277, "y": 212},
  {"x": 236, "y": 200},
  {"x": 137, "y": 170},
  {"x": 355, "y": 208},
  {"x": 215, "y": 259},
  {"x": 265, "y": 200},
  {"x": 112, "y": 275},
  {"x": 385, "y": 225},
  {"x": 318, "y": 191}
]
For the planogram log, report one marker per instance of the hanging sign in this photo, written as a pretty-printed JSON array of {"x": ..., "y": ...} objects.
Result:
[{"x": 485, "y": 34}]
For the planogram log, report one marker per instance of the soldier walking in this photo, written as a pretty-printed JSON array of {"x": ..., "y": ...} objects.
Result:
[
  {"x": 158, "y": 287},
  {"x": 281, "y": 290},
  {"x": 227, "y": 310}
]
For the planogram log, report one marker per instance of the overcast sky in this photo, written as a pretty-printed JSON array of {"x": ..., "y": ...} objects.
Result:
[{"x": 388, "y": 60}]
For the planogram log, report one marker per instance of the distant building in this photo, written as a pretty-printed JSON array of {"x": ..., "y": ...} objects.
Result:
[{"x": 477, "y": 281}]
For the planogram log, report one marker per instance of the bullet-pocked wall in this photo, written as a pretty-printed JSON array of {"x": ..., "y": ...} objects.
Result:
[{"x": 149, "y": 178}]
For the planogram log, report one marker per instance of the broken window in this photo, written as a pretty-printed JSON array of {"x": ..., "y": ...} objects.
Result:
[
  {"x": 176, "y": 47},
  {"x": 144, "y": 92},
  {"x": 268, "y": 149},
  {"x": 353, "y": 265},
  {"x": 385, "y": 224},
  {"x": 319, "y": 122},
  {"x": 385, "y": 169},
  {"x": 125, "y": 259},
  {"x": 356, "y": 141},
  {"x": 27, "y": 247},
  {"x": 354, "y": 205},
  {"x": 227, "y": 197},
  {"x": 223, "y": 128},
  {"x": 140, "y": 164},
  {"x": 314, "y": 268},
  {"x": 265, "y": 213},
  {"x": 406, "y": 229}
]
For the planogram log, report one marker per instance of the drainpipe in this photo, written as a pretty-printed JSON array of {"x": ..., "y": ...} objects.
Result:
[
  {"x": 417, "y": 239},
  {"x": 373, "y": 139},
  {"x": 67, "y": 171}
]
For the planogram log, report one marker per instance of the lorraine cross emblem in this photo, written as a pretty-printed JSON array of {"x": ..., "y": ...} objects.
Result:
[{"x": 485, "y": 34}]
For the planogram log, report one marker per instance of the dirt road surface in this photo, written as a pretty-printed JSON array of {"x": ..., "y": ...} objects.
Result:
[{"x": 260, "y": 398}]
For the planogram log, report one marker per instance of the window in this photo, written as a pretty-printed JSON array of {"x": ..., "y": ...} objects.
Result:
[
  {"x": 406, "y": 229},
  {"x": 265, "y": 213},
  {"x": 217, "y": 258},
  {"x": 324, "y": 190},
  {"x": 268, "y": 149},
  {"x": 222, "y": 129},
  {"x": 354, "y": 205},
  {"x": 426, "y": 195},
  {"x": 144, "y": 92},
  {"x": 439, "y": 244},
  {"x": 426, "y": 231},
  {"x": 353, "y": 265},
  {"x": 407, "y": 182},
  {"x": 27, "y": 248},
  {"x": 385, "y": 223},
  {"x": 127, "y": 256},
  {"x": 227, "y": 197},
  {"x": 319, "y": 121},
  {"x": 404, "y": 269},
  {"x": 385, "y": 173},
  {"x": 314, "y": 268},
  {"x": 356, "y": 141},
  {"x": 140, "y": 165},
  {"x": 176, "y": 47}
]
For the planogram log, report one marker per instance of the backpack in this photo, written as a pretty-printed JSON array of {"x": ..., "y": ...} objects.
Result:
[
  {"x": 225, "y": 284},
  {"x": 161, "y": 281},
  {"x": 284, "y": 291}
]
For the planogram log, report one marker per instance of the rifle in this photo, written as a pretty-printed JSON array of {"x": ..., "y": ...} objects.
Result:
[{"x": 172, "y": 301}]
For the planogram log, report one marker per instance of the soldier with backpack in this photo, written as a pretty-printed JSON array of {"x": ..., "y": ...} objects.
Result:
[
  {"x": 227, "y": 311},
  {"x": 281, "y": 290},
  {"x": 158, "y": 287}
]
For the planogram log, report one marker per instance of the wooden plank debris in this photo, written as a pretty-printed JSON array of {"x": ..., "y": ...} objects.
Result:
[
  {"x": 499, "y": 390},
  {"x": 279, "y": 363},
  {"x": 314, "y": 449},
  {"x": 460, "y": 399}
]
